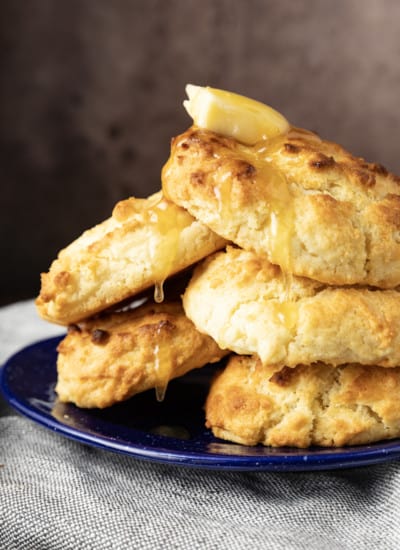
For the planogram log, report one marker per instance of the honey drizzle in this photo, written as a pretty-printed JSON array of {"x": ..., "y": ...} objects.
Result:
[
  {"x": 222, "y": 194},
  {"x": 281, "y": 229},
  {"x": 163, "y": 365},
  {"x": 280, "y": 206},
  {"x": 159, "y": 292},
  {"x": 169, "y": 222}
]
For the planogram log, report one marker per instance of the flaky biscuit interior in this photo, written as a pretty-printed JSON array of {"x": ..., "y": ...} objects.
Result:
[{"x": 250, "y": 307}]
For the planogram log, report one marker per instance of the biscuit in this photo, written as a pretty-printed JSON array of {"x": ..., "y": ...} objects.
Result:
[
  {"x": 251, "y": 403},
  {"x": 143, "y": 243},
  {"x": 248, "y": 306},
  {"x": 303, "y": 203},
  {"x": 110, "y": 358}
]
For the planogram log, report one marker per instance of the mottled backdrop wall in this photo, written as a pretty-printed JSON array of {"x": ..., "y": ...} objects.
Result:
[{"x": 91, "y": 92}]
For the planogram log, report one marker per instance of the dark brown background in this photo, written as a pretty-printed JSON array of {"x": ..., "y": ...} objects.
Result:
[{"x": 91, "y": 94}]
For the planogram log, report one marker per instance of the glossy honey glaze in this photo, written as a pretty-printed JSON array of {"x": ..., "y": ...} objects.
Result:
[
  {"x": 163, "y": 365},
  {"x": 168, "y": 224}
]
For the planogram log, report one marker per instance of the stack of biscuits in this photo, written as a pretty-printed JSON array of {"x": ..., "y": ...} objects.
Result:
[{"x": 288, "y": 251}]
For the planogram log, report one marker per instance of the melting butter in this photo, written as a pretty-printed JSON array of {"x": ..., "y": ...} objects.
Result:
[{"x": 233, "y": 115}]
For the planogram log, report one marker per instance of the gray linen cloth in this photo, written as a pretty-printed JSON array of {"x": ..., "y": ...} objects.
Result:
[{"x": 59, "y": 494}]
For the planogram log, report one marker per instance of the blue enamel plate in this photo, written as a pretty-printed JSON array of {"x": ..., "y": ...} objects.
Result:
[{"x": 170, "y": 432}]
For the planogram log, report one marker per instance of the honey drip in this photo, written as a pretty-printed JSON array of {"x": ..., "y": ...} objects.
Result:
[
  {"x": 159, "y": 292},
  {"x": 280, "y": 207},
  {"x": 281, "y": 210},
  {"x": 168, "y": 221},
  {"x": 163, "y": 366}
]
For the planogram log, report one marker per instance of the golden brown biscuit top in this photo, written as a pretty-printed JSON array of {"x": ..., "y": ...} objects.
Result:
[
  {"x": 113, "y": 356},
  {"x": 303, "y": 202},
  {"x": 144, "y": 242},
  {"x": 299, "y": 148}
]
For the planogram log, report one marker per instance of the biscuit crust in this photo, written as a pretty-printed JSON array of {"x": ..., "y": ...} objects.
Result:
[
  {"x": 144, "y": 242},
  {"x": 251, "y": 403},
  {"x": 304, "y": 203},
  {"x": 115, "y": 356},
  {"x": 250, "y": 307}
]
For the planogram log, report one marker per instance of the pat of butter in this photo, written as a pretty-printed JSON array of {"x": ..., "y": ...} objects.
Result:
[{"x": 233, "y": 115}]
